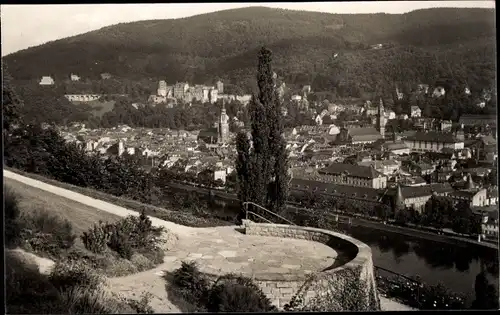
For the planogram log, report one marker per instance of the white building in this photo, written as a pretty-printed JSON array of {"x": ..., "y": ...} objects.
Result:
[
  {"x": 416, "y": 112},
  {"x": 47, "y": 80},
  {"x": 82, "y": 97},
  {"x": 74, "y": 77}
]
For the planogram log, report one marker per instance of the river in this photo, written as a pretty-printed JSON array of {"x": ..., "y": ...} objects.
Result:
[{"x": 454, "y": 265}]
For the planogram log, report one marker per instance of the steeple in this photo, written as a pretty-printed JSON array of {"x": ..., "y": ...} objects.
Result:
[
  {"x": 469, "y": 184},
  {"x": 223, "y": 124},
  {"x": 381, "y": 118},
  {"x": 399, "y": 199}
]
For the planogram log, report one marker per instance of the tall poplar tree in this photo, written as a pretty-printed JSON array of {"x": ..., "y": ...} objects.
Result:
[{"x": 266, "y": 170}]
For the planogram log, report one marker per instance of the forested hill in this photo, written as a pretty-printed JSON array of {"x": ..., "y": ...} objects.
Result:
[{"x": 224, "y": 43}]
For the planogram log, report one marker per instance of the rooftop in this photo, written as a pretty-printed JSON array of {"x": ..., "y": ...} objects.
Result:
[{"x": 350, "y": 170}]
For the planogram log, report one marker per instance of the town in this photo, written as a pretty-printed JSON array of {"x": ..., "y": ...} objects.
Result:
[{"x": 363, "y": 158}]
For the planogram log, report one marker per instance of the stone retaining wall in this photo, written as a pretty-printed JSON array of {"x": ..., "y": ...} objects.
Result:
[{"x": 353, "y": 266}]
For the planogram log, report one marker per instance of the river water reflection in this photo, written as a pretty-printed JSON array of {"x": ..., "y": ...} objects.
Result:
[{"x": 455, "y": 266}]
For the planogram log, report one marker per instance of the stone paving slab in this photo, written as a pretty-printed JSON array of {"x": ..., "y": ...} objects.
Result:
[{"x": 224, "y": 249}]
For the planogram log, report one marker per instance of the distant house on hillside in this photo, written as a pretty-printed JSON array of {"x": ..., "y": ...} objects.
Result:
[
  {"x": 416, "y": 111},
  {"x": 106, "y": 76},
  {"x": 47, "y": 80},
  {"x": 82, "y": 97},
  {"x": 439, "y": 91},
  {"x": 74, "y": 77}
]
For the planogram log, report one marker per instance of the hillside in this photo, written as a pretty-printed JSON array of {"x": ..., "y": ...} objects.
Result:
[{"x": 224, "y": 43}]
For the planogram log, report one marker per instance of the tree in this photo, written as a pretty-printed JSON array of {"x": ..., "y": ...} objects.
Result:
[
  {"x": 10, "y": 103},
  {"x": 463, "y": 218},
  {"x": 403, "y": 216},
  {"x": 486, "y": 294},
  {"x": 265, "y": 169},
  {"x": 437, "y": 211}
]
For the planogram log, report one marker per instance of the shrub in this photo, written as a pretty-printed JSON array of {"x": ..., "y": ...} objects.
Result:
[
  {"x": 237, "y": 294},
  {"x": 117, "y": 267},
  {"x": 97, "y": 238},
  {"x": 156, "y": 256},
  {"x": 142, "y": 306},
  {"x": 141, "y": 262},
  {"x": 12, "y": 213},
  {"x": 68, "y": 275},
  {"x": 79, "y": 300},
  {"x": 192, "y": 284},
  {"x": 125, "y": 237},
  {"x": 46, "y": 232},
  {"x": 120, "y": 240}
]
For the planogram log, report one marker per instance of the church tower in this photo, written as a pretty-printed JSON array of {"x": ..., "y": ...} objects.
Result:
[
  {"x": 381, "y": 118},
  {"x": 223, "y": 125}
]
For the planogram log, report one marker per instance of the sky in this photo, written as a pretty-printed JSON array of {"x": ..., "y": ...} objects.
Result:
[{"x": 25, "y": 26}]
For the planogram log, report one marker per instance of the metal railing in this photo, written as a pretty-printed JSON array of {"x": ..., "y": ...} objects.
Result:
[{"x": 247, "y": 212}]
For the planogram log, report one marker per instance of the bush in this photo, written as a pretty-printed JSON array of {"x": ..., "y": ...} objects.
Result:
[
  {"x": 68, "y": 275},
  {"x": 46, "y": 233},
  {"x": 78, "y": 300},
  {"x": 192, "y": 284},
  {"x": 23, "y": 282},
  {"x": 12, "y": 213},
  {"x": 97, "y": 238},
  {"x": 237, "y": 294},
  {"x": 142, "y": 306},
  {"x": 125, "y": 237},
  {"x": 63, "y": 292}
]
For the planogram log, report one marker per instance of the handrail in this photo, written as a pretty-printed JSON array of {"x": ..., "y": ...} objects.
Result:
[
  {"x": 398, "y": 274},
  {"x": 255, "y": 214},
  {"x": 246, "y": 203}
]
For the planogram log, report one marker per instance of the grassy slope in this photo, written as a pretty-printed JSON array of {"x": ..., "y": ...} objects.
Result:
[
  {"x": 81, "y": 216},
  {"x": 178, "y": 217}
]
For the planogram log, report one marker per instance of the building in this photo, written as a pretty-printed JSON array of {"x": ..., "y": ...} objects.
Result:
[
  {"x": 82, "y": 97},
  {"x": 299, "y": 185},
  {"x": 353, "y": 175},
  {"x": 415, "y": 112},
  {"x": 47, "y": 80},
  {"x": 417, "y": 197},
  {"x": 433, "y": 141},
  {"x": 358, "y": 135},
  {"x": 218, "y": 134},
  {"x": 475, "y": 196},
  {"x": 162, "y": 88},
  {"x": 439, "y": 91},
  {"x": 213, "y": 95},
  {"x": 179, "y": 89},
  {"x": 223, "y": 125},
  {"x": 381, "y": 122},
  {"x": 74, "y": 77},
  {"x": 244, "y": 99},
  {"x": 106, "y": 76},
  {"x": 220, "y": 87},
  {"x": 386, "y": 167},
  {"x": 395, "y": 147},
  {"x": 306, "y": 89},
  {"x": 446, "y": 126},
  {"x": 478, "y": 120}
]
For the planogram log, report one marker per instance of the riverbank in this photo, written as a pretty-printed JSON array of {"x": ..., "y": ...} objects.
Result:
[{"x": 355, "y": 220}]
